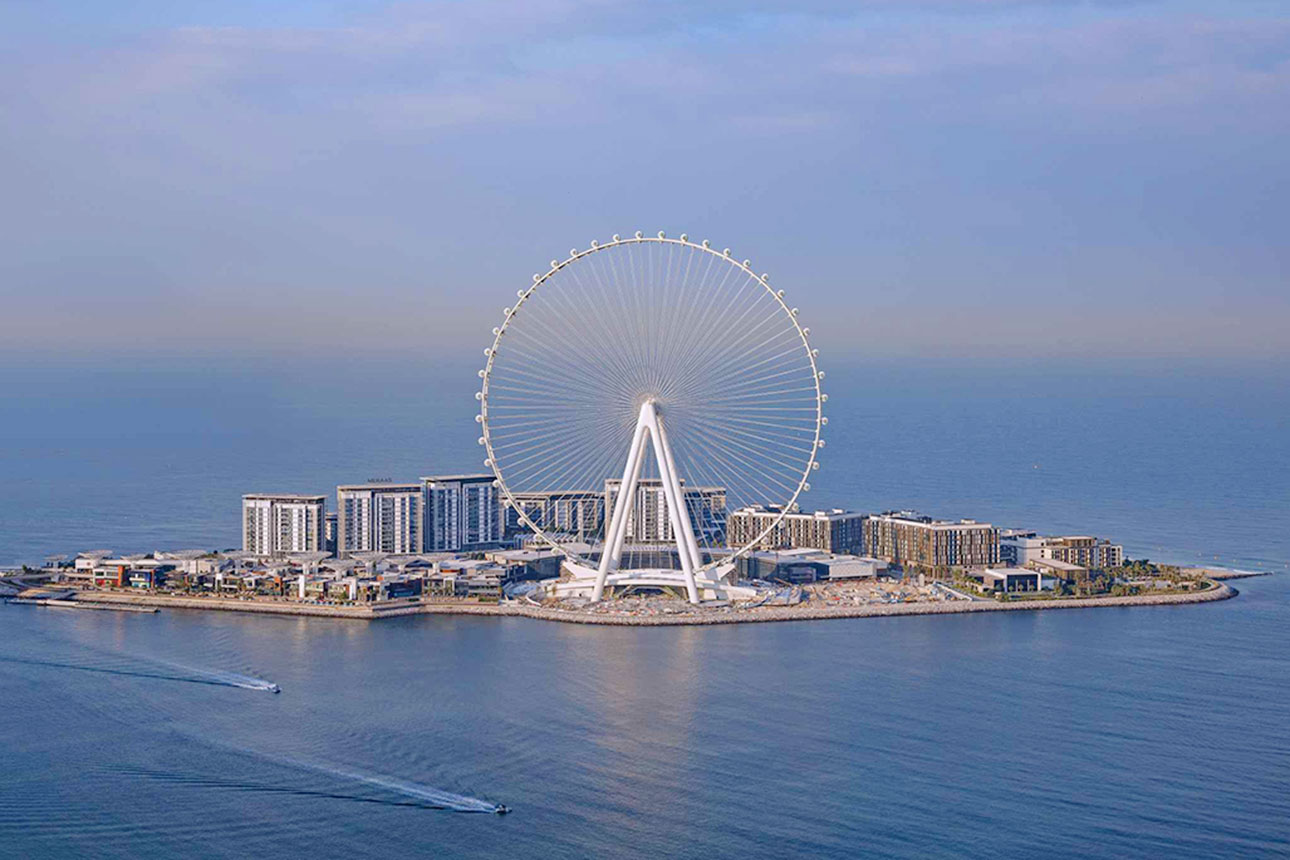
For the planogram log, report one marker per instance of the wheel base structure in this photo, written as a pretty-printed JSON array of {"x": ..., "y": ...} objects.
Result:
[
  {"x": 584, "y": 582},
  {"x": 650, "y": 430}
]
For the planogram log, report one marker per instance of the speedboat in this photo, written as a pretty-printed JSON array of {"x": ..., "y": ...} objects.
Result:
[
  {"x": 274, "y": 688},
  {"x": 501, "y": 809}
]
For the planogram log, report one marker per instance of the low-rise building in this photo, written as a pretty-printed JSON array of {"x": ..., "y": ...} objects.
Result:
[
  {"x": 1086, "y": 551},
  {"x": 1013, "y": 579},
  {"x": 468, "y": 577},
  {"x": 131, "y": 572},
  {"x": 1019, "y": 548},
  {"x": 523, "y": 564},
  {"x": 808, "y": 565},
  {"x": 1058, "y": 569}
]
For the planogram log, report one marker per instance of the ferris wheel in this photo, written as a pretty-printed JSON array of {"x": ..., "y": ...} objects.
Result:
[{"x": 637, "y": 394}]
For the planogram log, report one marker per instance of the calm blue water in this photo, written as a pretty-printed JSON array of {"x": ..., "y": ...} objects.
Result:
[
  {"x": 1112, "y": 733},
  {"x": 1188, "y": 464}
]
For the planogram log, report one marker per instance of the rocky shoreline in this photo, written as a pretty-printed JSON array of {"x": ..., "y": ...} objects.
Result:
[{"x": 1219, "y": 591}]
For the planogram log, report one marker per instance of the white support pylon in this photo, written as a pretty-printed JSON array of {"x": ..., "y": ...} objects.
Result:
[{"x": 650, "y": 423}]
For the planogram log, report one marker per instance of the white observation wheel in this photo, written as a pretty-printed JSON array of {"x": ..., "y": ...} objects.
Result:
[{"x": 671, "y": 356}]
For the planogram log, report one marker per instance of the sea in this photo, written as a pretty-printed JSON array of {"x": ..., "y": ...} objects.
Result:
[{"x": 1127, "y": 732}]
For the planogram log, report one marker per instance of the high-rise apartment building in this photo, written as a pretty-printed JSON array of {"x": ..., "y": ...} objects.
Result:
[
  {"x": 276, "y": 523},
  {"x": 836, "y": 531},
  {"x": 580, "y": 514},
  {"x": 651, "y": 520},
  {"x": 462, "y": 512},
  {"x": 916, "y": 541},
  {"x": 331, "y": 532},
  {"x": 380, "y": 516}
]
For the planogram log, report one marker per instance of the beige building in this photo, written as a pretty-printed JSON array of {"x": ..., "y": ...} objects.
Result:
[
  {"x": 1020, "y": 548},
  {"x": 1087, "y": 552},
  {"x": 836, "y": 531},
  {"x": 923, "y": 543}
]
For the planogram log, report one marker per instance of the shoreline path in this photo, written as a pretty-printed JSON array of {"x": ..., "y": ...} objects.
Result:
[{"x": 723, "y": 615}]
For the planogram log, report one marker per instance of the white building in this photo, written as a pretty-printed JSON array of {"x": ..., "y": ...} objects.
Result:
[
  {"x": 275, "y": 523},
  {"x": 651, "y": 521},
  {"x": 578, "y": 513},
  {"x": 331, "y": 532},
  {"x": 381, "y": 516},
  {"x": 805, "y": 564},
  {"x": 1021, "y": 549},
  {"x": 462, "y": 512}
]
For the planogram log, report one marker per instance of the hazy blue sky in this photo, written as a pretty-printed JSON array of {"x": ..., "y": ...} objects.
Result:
[{"x": 945, "y": 178}]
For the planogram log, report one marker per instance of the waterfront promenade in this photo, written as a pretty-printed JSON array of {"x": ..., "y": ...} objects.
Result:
[{"x": 685, "y": 616}]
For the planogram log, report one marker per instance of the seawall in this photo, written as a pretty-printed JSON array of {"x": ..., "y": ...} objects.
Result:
[{"x": 1219, "y": 591}]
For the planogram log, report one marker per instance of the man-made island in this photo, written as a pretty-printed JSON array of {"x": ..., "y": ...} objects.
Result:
[
  {"x": 450, "y": 545},
  {"x": 1136, "y": 584}
]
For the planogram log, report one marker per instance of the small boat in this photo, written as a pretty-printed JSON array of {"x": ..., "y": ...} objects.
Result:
[
  {"x": 274, "y": 688},
  {"x": 501, "y": 809}
]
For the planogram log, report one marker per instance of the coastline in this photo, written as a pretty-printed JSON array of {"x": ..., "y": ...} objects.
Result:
[{"x": 1219, "y": 591}]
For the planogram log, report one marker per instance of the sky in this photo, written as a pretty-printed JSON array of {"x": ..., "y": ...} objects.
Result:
[{"x": 956, "y": 179}]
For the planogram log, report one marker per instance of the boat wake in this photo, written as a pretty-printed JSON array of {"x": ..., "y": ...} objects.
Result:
[
  {"x": 231, "y": 679},
  {"x": 189, "y": 675},
  {"x": 218, "y": 784},
  {"x": 435, "y": 797},
  {"x": 413, "y": 794}
]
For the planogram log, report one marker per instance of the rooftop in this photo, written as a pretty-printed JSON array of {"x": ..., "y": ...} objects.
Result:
[
  {"x": 436, "y": 478},
  {"x": 774, "y": 510},
  {"x": 915, "y": 518}
]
